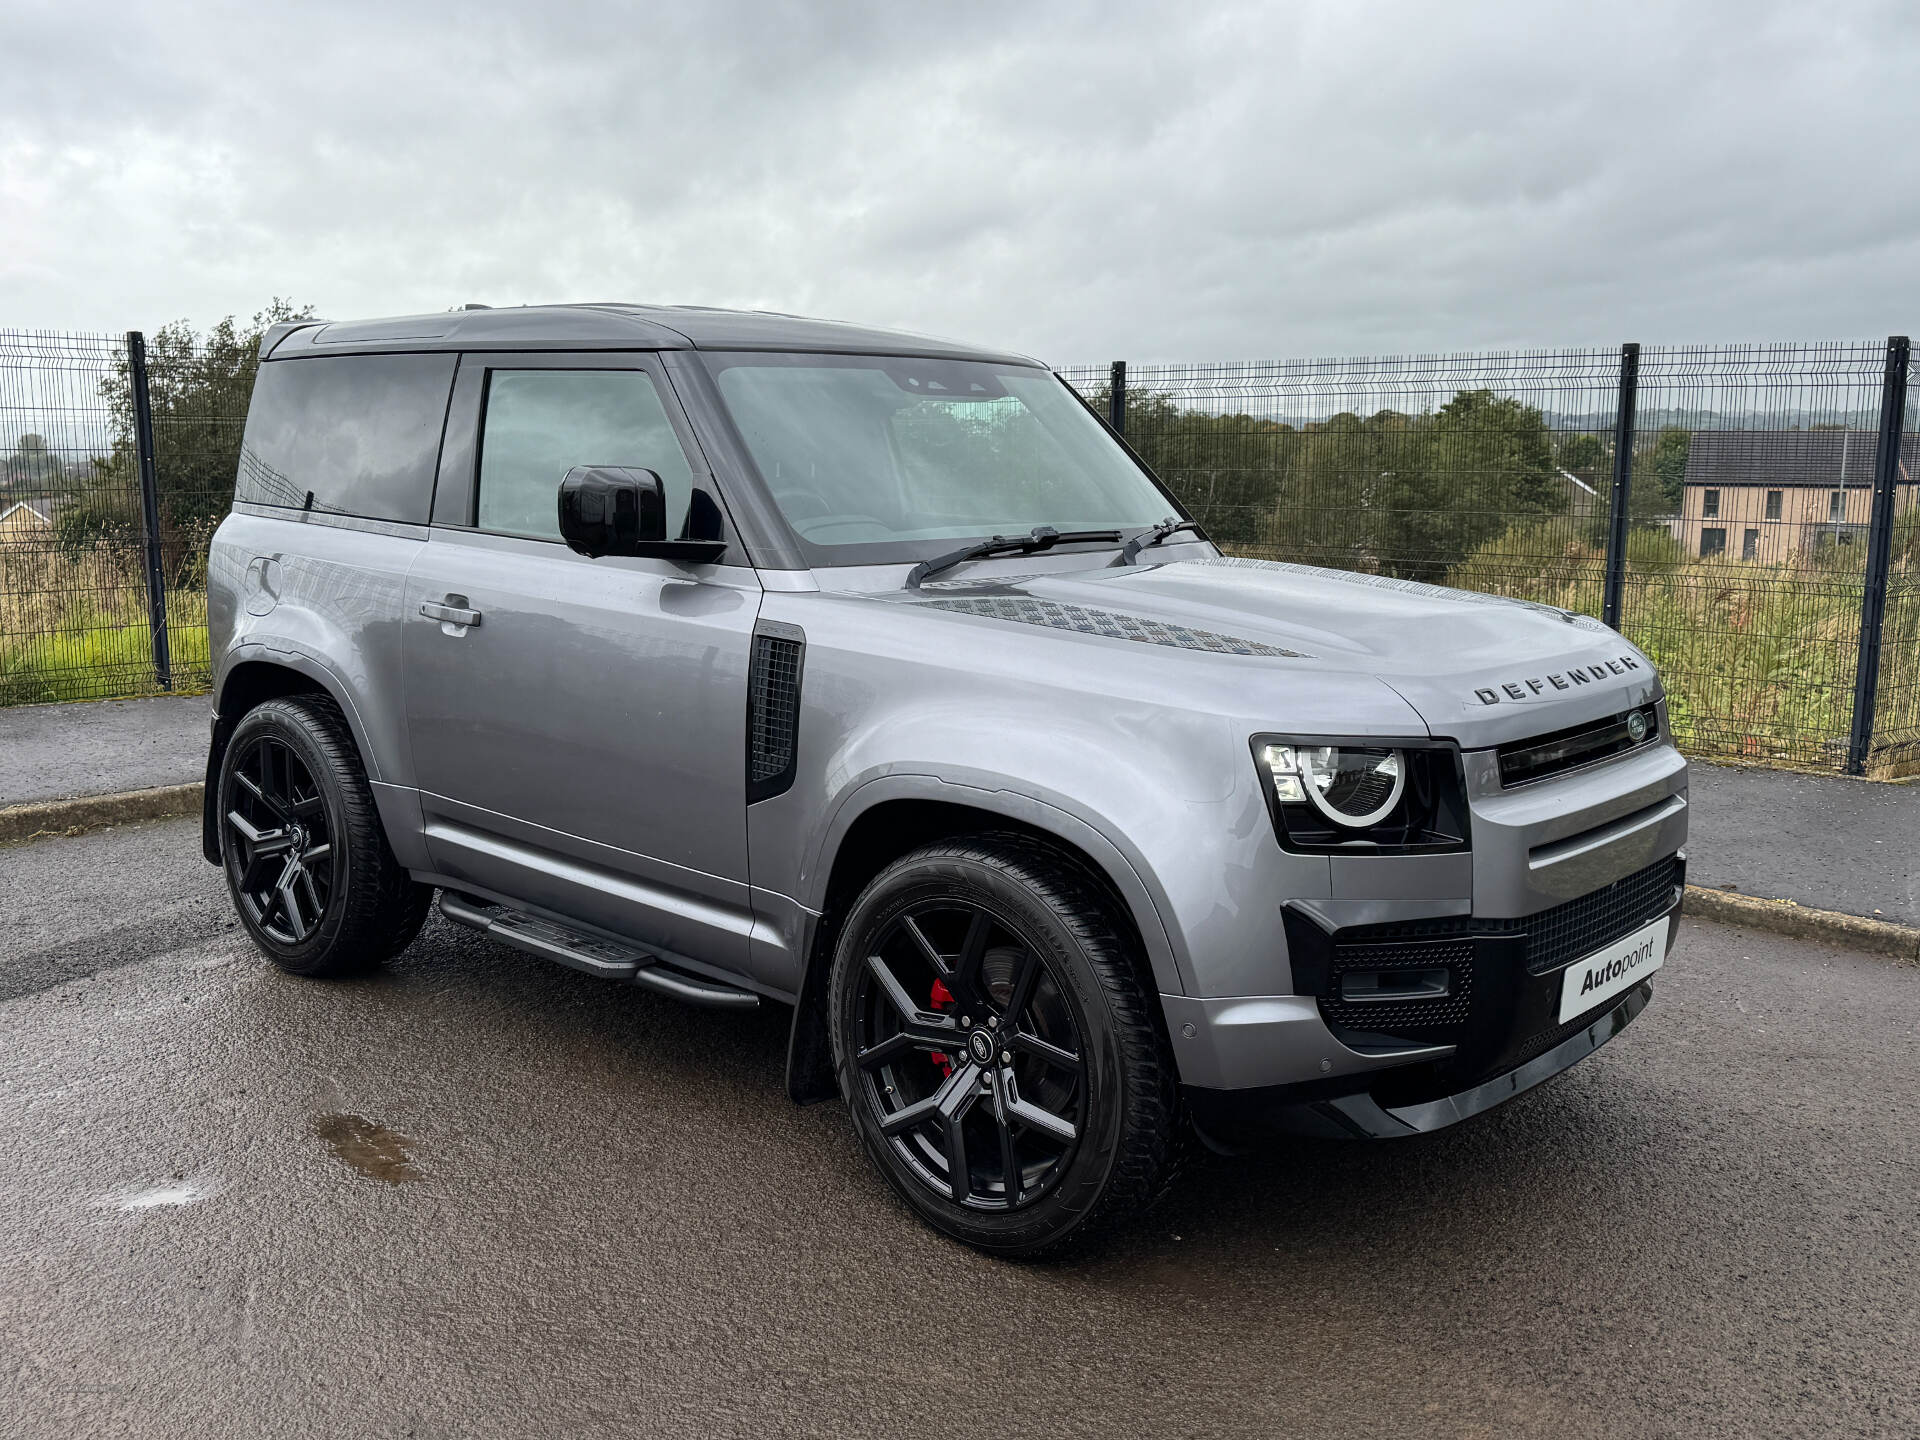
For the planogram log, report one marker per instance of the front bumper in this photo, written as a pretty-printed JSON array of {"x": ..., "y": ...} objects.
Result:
[
  {"x": 1232, "y": 1117},
  {"x": 1494, "y": 1018}
]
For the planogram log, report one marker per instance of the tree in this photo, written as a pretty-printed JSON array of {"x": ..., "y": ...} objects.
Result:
[
  {"x": 1228, "y": 470},
  {"x": 1670, "y": 449},
  {"x": 1500, "y": 445},
  {"x": 1584, "y": 455},
  {"x": 1404, "y": 494},
  {"x": 1448, "y": 483},
  {"x": 33, "y": 466}
]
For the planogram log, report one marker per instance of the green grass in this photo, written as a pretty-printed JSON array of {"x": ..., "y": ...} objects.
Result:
[
  {"x": 76, "y": 628},
  {"x": 104, "y": 661},
  {"x": 1758, "y": 660}
]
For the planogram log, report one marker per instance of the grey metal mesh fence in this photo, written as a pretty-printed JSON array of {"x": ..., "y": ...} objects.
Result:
[
  {"x": 75, "y": 619},
  {"x": 199, "y": 388},
  {"x": 1896, "y": 733},
  {"x": 1756, "y": 468},
  {"x": 1743, "y": 572},
  {"x": 1751, "y": 480},
  {"x": 1405, "y": 466},
  {"x": 73, "y": 605}
]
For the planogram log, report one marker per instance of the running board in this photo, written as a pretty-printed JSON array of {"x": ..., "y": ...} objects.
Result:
[{"x": 607, "y": 959}]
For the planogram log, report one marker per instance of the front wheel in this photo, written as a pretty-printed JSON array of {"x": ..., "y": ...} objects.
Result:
[
  {"x": 996, "y": 1046},
  {"x": 308, "y": 866}
]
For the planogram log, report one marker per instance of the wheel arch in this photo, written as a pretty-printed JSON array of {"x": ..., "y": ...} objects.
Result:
[
  {"x": 250, "y": 677},
  {"x": 897, "y": 818}
]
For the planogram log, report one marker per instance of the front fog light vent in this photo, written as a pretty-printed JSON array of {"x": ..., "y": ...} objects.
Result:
[{"x": 1373, "y": 987}]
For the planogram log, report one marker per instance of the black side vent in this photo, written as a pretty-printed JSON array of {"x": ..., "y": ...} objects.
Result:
[{"x": 773, "y": 708}]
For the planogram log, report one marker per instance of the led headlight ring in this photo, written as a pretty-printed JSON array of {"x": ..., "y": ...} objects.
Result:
[{"x": 1320, "y": 769}]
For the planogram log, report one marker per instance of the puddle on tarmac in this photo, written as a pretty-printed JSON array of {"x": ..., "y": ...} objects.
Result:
[{"x": 370, "y": 1148}]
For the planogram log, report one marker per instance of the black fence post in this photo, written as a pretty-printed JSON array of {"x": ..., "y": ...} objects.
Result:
[
  {"x": 1622, "y": 483},
  {"x": 1873, "y": 599},
  {"x": 1117, "y": 397},
  {"x": 149, "y": 509}
]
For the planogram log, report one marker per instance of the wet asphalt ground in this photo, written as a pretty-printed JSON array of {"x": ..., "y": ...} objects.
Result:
[
  {"x": 98, "y": 747},
  {"x": 484, "y": 1196}
]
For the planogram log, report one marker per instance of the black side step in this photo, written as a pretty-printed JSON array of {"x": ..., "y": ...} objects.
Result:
[{"x": 608, "y": 959}]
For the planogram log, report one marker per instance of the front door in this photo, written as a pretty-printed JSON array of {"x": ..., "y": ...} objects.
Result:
[{"x": 578, "y": 726}]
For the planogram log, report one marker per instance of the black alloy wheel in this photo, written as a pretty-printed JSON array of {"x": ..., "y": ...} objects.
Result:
[
  {"x": 308, "y": 865},
  {"x": 279, "y": 841},
  {"x": 968, "y": 1051},
  {"x": 995, "y": 1036}
]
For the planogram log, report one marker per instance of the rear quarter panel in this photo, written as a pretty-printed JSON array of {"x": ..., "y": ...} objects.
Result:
[{"x": 325, "y": 598}]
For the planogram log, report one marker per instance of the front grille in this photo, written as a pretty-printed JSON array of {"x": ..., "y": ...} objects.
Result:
[
  {"x": 1542, "y": 756},
  {"x": 1558, "y": 936},
  {"x": 1540, "y": 1041}
]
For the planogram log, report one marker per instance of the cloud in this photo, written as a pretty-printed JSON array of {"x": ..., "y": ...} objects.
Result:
[{"x": 1075, "y": 181}]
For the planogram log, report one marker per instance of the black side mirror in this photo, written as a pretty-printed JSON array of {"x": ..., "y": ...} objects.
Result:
[{"x": 622, "y": 510}]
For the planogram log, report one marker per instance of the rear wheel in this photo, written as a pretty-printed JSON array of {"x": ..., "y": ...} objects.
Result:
[
  {"x": 308, "y": 866},
  {"x": 995, "y": 1044}
]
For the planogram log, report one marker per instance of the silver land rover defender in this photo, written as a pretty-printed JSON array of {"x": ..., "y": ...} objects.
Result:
[{"x": 749, "y": 658}]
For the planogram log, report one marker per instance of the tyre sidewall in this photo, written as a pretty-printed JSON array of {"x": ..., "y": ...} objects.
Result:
[
  {"x": 997, "y": 885},
  {"x": 290, "y": 723}
]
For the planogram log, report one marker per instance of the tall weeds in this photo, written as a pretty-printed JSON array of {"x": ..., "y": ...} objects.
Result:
[{"x": 74, "y": 624}]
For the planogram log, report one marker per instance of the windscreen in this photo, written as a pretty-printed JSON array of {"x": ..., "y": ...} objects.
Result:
[{"x": 866, "y": 454}]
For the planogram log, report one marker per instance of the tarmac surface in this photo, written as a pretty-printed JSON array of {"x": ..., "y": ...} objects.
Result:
[
  {"x": 51, "y": 752},
  {"x": 1824, "y": 840},
  {"x": 480, "y": 1195}
]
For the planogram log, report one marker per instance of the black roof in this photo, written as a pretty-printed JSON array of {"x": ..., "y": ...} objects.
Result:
[
  {"x": 610, "y": 327},
  {"x": 1784, "y": 459}
]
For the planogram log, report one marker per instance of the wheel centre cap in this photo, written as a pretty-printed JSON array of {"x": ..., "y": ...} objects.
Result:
[{"x": 980, "y": 1044}]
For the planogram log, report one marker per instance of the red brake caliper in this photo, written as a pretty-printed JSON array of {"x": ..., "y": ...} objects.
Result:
[{"x": 941, "y": 999}]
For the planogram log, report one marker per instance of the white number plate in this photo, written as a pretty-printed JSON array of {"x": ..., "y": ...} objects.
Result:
[{"x": 1614, "y": 970}]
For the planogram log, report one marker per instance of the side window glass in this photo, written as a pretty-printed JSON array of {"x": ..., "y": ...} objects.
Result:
[
  {"x": 541, "y": 423},
  {"x": 346, "y": 435}
]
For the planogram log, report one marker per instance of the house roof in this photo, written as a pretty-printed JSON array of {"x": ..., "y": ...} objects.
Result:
[
  {"x": 36, "y": 511},
  {"x": 1786, "y": 459},
  {"x": 609, "y": 327}
]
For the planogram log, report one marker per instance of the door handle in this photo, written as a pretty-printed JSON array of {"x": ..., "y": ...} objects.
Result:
[{"x": 450, "y": 614}]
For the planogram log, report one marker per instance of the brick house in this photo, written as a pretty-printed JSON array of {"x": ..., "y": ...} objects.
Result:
[
  {"x": 25, "y": 522},
  {"x": 1768, "y": 495}
]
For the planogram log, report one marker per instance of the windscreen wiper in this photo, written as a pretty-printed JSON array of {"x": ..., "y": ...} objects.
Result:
[
  {"x": 1170, "y": 526},
  {"x": 1041, "y": 537}
]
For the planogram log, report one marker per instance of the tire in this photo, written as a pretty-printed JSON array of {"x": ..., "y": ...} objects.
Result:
[
  {"x": 308, "y": 867},
  {"x": 996, "y": 981}
]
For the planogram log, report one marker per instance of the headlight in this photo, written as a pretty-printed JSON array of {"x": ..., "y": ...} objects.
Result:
[
  {"x": 1358, "y": 796},
  {"x": 1355, "y": 788}
]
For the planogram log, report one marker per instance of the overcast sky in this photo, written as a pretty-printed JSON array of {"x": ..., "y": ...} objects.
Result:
[{"x": 1183, "y": 181}]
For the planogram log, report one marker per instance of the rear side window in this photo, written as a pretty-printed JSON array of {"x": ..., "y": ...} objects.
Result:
[
  {"x": 542, "y": 423},
  {"x": 347, "y": 435}
]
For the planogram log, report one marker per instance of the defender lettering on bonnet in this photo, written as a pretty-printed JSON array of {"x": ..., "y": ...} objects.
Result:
[
  {"x": 1559, "y": 680},
  {"x": 586, "y": 607}
]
